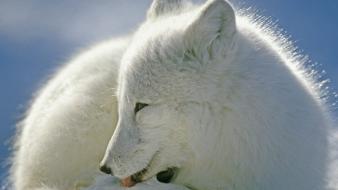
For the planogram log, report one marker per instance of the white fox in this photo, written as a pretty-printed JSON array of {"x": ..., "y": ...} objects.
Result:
[{"x": 205, "y": 99}]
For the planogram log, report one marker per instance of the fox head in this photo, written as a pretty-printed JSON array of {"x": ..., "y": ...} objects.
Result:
[{"x": 168, "y": 80}]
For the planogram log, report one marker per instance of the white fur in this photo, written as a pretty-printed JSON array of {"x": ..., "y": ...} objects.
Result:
[
  {"x": 229, "y": 105},
  {"x": 67, "y": 128}
]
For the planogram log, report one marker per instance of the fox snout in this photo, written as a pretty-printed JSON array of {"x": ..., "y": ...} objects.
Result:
[{"x": 119, "y": 150}]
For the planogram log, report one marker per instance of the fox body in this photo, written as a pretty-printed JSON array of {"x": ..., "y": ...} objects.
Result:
[{"x": 200, "y": 89}]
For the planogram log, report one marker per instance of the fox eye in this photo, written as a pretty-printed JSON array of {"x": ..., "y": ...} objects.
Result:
[{"x": 139, "y": 106}]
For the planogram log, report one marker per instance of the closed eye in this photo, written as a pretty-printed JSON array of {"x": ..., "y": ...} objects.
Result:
[{"x": 139, "y": 106}]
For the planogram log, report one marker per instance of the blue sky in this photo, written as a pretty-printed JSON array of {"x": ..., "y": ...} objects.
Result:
[{"x": 37, "y": 36}]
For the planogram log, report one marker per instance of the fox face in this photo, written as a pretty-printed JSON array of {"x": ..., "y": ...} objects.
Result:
[{"x": 168, "y": 78}]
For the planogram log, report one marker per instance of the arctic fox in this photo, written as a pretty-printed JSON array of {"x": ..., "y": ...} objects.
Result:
[{"x": 201, "y": 98}]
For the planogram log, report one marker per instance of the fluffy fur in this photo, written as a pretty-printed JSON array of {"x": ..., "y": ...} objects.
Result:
[
  {"x": 229, "y": 105},
  {"x": 67, "y": 128}
]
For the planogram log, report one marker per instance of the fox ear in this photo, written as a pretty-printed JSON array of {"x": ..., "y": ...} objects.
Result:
[
  {"x": 213, "y": 28},
  {"x": 163, "y": 7}
]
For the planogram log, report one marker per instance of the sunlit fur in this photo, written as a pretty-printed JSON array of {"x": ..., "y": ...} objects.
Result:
[
  {"x": 231, "y": 104},
  {"x": 65, "y": 132}
]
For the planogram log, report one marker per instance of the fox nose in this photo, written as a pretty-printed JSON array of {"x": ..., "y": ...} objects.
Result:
[{"x": 105, "y": 169}]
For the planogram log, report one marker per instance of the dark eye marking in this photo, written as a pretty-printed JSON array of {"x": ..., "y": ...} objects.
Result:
[{"x": 140, "y": 106}]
